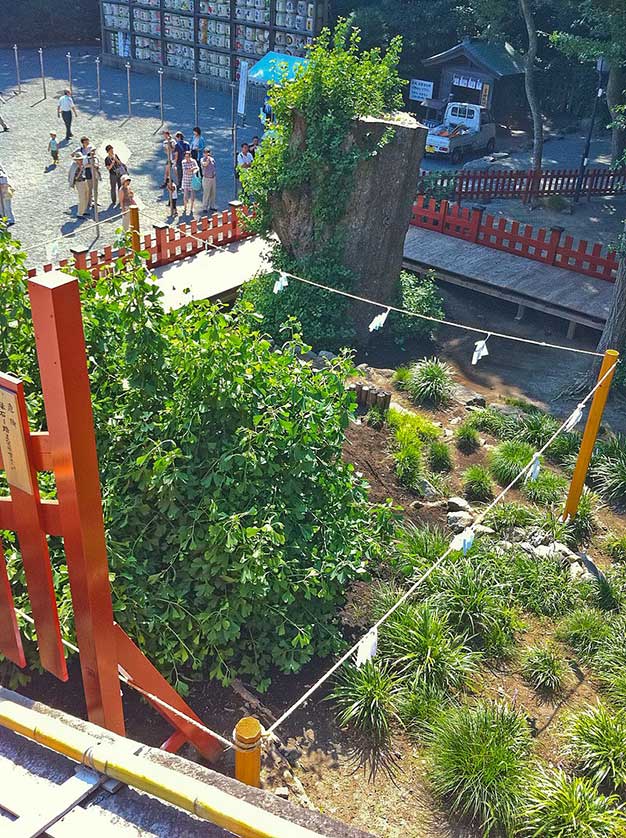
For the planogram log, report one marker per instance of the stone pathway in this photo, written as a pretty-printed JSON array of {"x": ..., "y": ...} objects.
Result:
[{"x": 44, "y": 205}]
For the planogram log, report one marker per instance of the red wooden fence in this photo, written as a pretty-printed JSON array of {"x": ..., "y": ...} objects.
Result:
[
  {"x": 492, "y": 183},
  {"x": 547, "y": 246},
  {"x": 164, "y": 245}
]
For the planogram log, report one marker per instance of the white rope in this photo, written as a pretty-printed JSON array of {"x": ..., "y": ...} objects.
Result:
[
  {"x": 475, "y": 329},
  {"x": 434, "y": 566},
  {"x": 74, "y": 233}
]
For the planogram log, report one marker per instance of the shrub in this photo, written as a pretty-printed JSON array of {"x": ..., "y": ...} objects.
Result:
[
  {"x": 584, "y": 630},
  {"x": 508, "y": 459},
  {"x": 615, "y": 546},
  {"x": 421, "y": 646},
  {"x": 506, "y": 516},
  {"x": 233, "y": 485},
  {"x": 401, "y": 377},
  {"x": 439, "y": 456},
  {"x": 474, "y": 604},
  {"x": 559, "y": 806},
  {"x": 431, "y": 382},
  {"x": 544, "y": 668},
  {"x": 477, "y": 483},
  {"x": 418, "y": 547},
  {"x": 547, "y": 489},
  {"x": 597, "y": 745},
  {"x": 479, "y": 762},
  {"x": 418, "y": 294},
  {"x": 375, "y": 417},
  {"x": 467, "y": 438}
]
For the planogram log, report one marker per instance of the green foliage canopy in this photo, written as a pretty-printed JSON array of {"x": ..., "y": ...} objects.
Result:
[{"x": 233, "y": 525}]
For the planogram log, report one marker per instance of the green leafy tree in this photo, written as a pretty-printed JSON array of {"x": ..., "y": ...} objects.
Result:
[
  {"x": 599, "y": 29},
  {"x": 340, "y": 84},
  {"x": 233, "y": 525}
]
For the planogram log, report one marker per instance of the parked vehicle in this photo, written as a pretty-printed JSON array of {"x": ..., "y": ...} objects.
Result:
[{"x": 464, "y": 128}]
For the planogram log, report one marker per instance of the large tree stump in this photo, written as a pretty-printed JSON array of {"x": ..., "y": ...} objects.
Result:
[{"x": 378, "y": 210}]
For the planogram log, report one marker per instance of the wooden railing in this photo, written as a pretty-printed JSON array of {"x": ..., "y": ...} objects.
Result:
[
  {"x": 165, "y": 244},
  {"x": 491, "y": 183},
  {"x": 547, "y": 246}
]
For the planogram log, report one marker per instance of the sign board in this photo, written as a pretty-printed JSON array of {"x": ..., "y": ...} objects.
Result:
[
  {"x": 13, "y": 443},
  {"x": 420, "y": 89},
  {"x": 243, "y": 87}
]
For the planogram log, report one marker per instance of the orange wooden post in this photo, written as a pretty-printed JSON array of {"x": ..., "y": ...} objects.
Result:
[
  {"x": 135, "y": 238},
  {"x": 590, "y": 434},
  {"x": 22, "y": 480},
  {"x": 247, "y": 736},
  {"x": 10, "y": 637},
  {"x": 235, "y": 209},
  {"x": 59, "y": 337}
]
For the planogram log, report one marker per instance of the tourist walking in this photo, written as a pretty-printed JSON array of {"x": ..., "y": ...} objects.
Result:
[
  {"x": 116, "y": 169},
  {"x": 53, "y": 148},
  {"x": 180, "y": 148},
  {"x": 169, "y": 146},
  {"x": 127, "y": 200},
  {"x": 65, "y": 109},
  {"x": 197, "y": 145},
  {"x": 244, "y": 161},
  {"x": 190, "y": 171},
  {"x": 78, "y": 181},
  {"x": 6, "y": 196},
  {"x": 209, "y": 181}
]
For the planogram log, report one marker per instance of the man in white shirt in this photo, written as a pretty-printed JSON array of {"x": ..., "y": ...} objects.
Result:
[
  {"x": 65, "y": 109},
  {"x": 244, "y": 161}
]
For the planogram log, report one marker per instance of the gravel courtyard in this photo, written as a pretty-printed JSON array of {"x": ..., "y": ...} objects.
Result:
[{"x": 44, "y": 205}]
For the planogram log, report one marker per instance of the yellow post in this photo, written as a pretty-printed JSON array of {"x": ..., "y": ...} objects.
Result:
[
  {"x": 133, "y": 214},
  {"x": 247, "y": 736},
  {"x": 591, "y": 432}
]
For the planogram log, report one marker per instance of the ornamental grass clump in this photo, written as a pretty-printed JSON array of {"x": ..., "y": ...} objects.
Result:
[
  {"x": 547, "y": 489},
  {"x": 586, "y": 522},
  {"x": 609, "y": 476},
  {"x": 615, "y": 546},
  {"x": 508, "y": 515},
  {"x": 439, "y": 456},
  {"x": 596, "y": 744},
  {"x": 477, "y": 483},
  {"x": 431, "y": 382},
  {"x": 467, "y": 438},
  {"x": 422, "y": 648},
  {"x": 365, "y": 698},
  {"x": 401, "y": 377},
  {"x": 558, "y": 806},
  {"x": 475, "y": 605},
  {"x": 584, "y": 630},
  {"x": 508, "y": 459},
  {"x": 417, "y": 547},
  {"x": 479, "y": 763},
  {"x": 545, "y": 668}
]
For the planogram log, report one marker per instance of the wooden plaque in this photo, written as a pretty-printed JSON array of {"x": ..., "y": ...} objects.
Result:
[{"x": 13, "y": 443}]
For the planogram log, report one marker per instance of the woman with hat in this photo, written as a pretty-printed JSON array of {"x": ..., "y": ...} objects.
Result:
[
  {"x": 126, "y": 198},
  {"x": 78, "y": 180}
]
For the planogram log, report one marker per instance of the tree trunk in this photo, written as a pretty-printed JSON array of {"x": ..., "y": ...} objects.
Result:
[
  {"x": 615, "y": 97},
  {"x": 614, "y": 332},
  {"x": 531, "y": 92},
  {"x": 373, "y": 227}
]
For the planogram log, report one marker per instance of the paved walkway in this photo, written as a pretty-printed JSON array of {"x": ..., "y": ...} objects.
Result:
[
  {"x": 572, "y": 296},
  {"x": 44, "y": 205}
]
